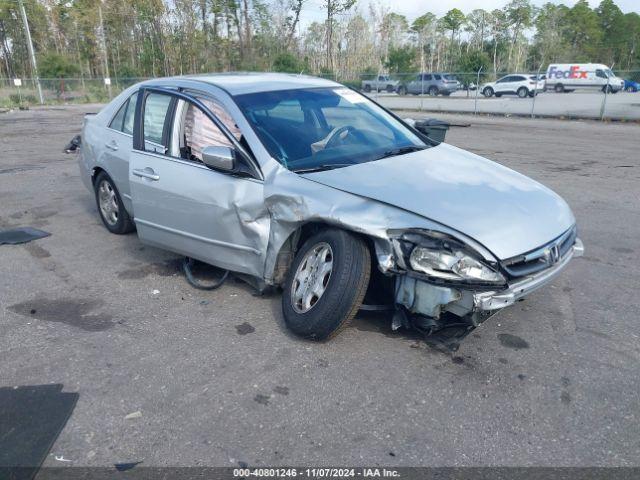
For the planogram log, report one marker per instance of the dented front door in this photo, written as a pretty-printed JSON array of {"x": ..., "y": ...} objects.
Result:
[{"x": 190, "y": 209}]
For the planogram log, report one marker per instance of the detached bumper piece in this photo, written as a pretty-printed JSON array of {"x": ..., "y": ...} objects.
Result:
[{"x": 436, "y": 130}]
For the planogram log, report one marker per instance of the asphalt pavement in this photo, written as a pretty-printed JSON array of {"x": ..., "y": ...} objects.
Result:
[{"x": 137, "y": 366}]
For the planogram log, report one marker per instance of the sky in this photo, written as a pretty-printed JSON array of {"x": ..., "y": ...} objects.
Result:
[{"x": 414, "y": 8}]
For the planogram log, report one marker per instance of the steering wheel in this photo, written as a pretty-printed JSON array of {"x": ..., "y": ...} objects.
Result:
[
  {"x": 340, "y": 134},
  {"x": 273, "y": 143}
]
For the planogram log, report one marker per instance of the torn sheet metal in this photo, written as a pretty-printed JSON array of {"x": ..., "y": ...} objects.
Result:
[
  {"x": 423, "y": 298},
  {"x": 16, "y": 236}
]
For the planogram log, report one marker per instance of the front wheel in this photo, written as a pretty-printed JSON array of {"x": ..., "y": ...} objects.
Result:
[
  {"x": 433, "y": 91},
  {"x": 112, "y": 212},
  {"x": 488, "y": 92},
  {"x": 402, "y": 90},
  {"x": 326, "y": 284}
]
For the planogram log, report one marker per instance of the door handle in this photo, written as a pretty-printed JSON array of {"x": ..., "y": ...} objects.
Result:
[
  {"x": 112, "y": 146},
  {"x": 146, "y": 174}
]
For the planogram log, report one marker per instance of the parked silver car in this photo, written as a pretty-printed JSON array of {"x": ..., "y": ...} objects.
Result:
[{"x": 301, "y": 183}]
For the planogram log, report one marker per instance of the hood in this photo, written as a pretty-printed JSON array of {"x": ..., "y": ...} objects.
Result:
[{"x": 505, "y": 211}]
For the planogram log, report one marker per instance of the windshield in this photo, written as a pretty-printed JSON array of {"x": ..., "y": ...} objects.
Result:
[
  {"x": 609, "y": 73},
  {"x": 323, "y": 128}
]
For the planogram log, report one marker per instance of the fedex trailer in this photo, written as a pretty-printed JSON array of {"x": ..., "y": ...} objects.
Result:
[{"x": 567, "y": 77}]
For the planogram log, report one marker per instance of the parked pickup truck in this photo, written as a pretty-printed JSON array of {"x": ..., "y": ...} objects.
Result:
[{"x": 380, "y": 83}]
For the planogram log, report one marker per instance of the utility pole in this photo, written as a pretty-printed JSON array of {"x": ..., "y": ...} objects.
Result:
[
  {"x": 34, "y": 65},
  {"x": 103, "y": 42}
]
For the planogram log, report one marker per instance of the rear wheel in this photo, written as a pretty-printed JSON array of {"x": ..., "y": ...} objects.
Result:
[
  {"x": 367, "y": 88},
  {"x": 326, "y": 284},
  {"x": 559, "y": 88},
  {"x": 523, "y": 92},
  {"x": 112, "y": 212},
  {"x": 402, "y": 90},
  {"x": 390, "y": 88}
]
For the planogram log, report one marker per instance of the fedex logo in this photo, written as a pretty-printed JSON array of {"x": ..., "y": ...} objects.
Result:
[{"x": 573, "y": 72}]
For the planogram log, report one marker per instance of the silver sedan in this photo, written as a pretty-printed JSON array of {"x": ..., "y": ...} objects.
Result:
[{"x": 301, "y": 183}]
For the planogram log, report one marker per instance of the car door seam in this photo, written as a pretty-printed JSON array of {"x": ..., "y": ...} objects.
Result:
[{"x": 198, "y": 237}]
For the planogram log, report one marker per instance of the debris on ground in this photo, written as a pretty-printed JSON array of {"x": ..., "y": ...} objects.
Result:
[
  {"x": 123, "y": 467},
  {"x": 15, "y": 236},
  {"x": 136, "y": 414}
]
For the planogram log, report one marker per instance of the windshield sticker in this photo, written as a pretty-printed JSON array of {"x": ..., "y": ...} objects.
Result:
[{"x": 350, "y": 95}]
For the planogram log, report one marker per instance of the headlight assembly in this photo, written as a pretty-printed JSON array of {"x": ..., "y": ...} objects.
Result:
[
  {"x": 452, "y": 265},
  {"x": 444, "y": 258}
]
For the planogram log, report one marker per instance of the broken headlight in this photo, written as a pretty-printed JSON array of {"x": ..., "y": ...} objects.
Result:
[{"x": 452, "y": 264}]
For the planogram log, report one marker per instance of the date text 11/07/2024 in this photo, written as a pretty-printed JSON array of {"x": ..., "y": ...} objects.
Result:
[{"x": 315, "y": 472}]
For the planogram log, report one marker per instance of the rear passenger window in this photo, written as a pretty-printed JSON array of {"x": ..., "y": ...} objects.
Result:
[
  {"x": 127, "y": 125},
  {"x": 116, "y": 122},
  {"x": 155, "y": 115},
  {"x": 123, "y": 119},
  {"x": 437, "y": 77}
]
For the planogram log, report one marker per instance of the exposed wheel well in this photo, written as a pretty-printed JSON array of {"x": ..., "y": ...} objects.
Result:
[
  {"x": 296, "y": 240},
  {"x": 94, "y": 174}
]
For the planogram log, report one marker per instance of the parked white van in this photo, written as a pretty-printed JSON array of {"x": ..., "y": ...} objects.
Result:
[{"x": 567, "y": 77}]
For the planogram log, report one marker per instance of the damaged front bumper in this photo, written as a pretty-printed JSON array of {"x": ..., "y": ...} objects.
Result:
[
  {"x": 496, "y": 300},
  {"x": 430, "y": 301}
]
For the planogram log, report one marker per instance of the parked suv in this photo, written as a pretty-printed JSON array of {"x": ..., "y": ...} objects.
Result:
[
  {"x": 431, "y": 83},
  {"x": 520, "y": 84},
  {"x": 380, "y": 83}
]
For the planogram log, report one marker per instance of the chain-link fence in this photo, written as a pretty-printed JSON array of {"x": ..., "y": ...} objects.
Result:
[{"x": 499, "y": 93}]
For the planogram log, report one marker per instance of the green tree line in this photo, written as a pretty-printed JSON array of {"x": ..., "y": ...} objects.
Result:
[{"x": 144, "y": 38}]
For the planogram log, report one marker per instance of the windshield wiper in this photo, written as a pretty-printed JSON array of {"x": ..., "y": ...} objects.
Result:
[
  {"x": 323, "y": 167},
  {"x": 401, "y": 151}
]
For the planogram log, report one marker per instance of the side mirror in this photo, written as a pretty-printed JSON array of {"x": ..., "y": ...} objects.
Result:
[
  {"x": 410, "y": 121},
  {"x": 219, "y": 158}
]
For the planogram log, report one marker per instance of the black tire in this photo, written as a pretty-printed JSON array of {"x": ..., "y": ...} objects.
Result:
[
  {"x": 345, "y": 288},
  {"x": 488, "y": 92},
  {"x": 559, "y": 88},
  {"x": 390, "y": 88},
  {"x": 433, "y": 91},
  {"x": 402, "y": 90},
  {"x": 523, "y": 92},
  {"x": 123, "y": 223},
  {"x": 367, "y": 88}
]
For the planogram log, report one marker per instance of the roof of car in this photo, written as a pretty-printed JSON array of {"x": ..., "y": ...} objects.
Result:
[{"x": 239, "y": 83}]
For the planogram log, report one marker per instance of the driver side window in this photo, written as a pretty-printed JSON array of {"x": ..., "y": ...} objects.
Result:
[{"x": 196, "y": 130}]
